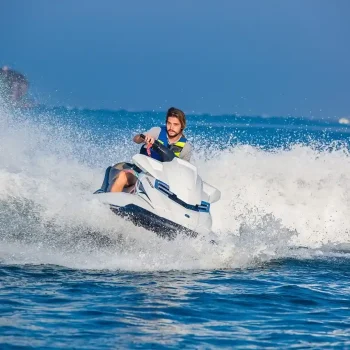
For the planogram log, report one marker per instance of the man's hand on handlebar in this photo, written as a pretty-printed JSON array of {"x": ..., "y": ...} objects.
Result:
[
  {"x": 164, "y": 152},
  {"x": 149, "y": 139},
  {"x": 141, "y": 138}
]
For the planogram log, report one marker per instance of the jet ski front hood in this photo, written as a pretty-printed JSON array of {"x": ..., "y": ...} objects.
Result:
[{"x": 181, "y": 177}]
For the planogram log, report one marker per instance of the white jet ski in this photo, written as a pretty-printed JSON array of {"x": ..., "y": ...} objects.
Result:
[{"x": 169, "y": 197}]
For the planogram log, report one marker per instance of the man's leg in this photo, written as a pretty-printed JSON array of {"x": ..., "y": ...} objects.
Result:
[{"x": 125, "y": 178}]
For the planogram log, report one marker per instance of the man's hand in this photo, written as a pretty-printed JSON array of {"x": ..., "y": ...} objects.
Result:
[{"x": 149, "y": 139}]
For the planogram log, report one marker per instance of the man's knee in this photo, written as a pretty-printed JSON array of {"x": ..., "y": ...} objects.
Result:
[{"x": 122, "y": 177}]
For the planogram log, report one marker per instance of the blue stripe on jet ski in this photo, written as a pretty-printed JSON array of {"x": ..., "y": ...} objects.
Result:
[{"x": 164, "y": 188}]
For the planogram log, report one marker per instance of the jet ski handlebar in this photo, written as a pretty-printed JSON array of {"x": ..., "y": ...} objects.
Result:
[{"x": 165, "y": 153}]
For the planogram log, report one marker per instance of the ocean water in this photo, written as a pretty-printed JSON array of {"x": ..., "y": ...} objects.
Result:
[{"x": 73, "y": 275}]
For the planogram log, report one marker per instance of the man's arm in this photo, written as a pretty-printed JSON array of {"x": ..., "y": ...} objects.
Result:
[{"x": 137, "y": 138}]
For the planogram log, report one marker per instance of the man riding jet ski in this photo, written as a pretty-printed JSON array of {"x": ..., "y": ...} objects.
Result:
[
  {"x": 171, "y": 135},
  {"x": 161, "y": 190}
]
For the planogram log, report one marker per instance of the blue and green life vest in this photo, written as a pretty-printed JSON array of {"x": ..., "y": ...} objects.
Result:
[{"x": 176, "y": 147}]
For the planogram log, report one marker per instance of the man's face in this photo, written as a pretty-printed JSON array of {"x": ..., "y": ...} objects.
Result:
[{"x": 173, "y": 127}]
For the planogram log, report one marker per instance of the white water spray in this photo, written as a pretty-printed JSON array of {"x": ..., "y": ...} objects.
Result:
[{"x": 270, "y": 200}]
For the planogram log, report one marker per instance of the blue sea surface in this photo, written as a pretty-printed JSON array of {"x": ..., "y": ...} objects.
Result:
[{"x": 73, "y": 275}]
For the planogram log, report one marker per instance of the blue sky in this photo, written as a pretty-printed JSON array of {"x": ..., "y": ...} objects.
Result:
[{"x": 252, "y": 57}]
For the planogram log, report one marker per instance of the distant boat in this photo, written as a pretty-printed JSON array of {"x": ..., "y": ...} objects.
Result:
[
  {"x": 13, "y": 86},
  {"x": 344, "y": 120}
]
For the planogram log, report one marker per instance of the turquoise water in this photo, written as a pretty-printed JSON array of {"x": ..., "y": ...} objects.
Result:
[{"x": 73, "y": 275}]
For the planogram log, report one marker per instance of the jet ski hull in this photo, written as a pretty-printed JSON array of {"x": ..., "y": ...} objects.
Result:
[{"x": 152, "y": 222}]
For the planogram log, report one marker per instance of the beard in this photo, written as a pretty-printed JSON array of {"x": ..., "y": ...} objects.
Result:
[{"x": 175, "y": 134}]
